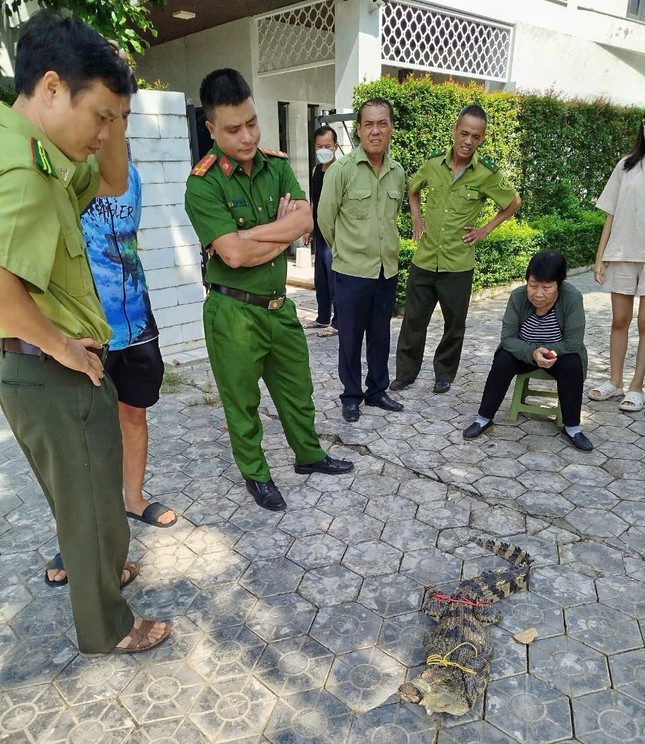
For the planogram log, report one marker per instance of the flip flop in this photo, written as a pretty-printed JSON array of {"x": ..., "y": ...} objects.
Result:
[
  {"x": 55, "y": 563},
  {"x": 314, "y": 324},
  {"x": 328, "y": 331},
  {"x": 632, "y": 402},
  {"x": 151, "y": 515},
  {"x": 130, "y": 568},
  {"x": 605, "y": 391}
]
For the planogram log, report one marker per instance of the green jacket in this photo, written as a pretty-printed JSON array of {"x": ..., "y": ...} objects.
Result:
[{"x": 569, "y": 312}]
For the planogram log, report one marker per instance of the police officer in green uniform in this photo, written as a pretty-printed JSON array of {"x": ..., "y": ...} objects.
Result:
[
  {"x": 457, "y": 181},
  {"x": 53, "y": 333},
  {"x": 247, "y": 207}
]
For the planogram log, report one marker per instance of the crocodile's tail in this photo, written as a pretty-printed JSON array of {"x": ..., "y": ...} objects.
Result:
[
  {"x": 499, "y": 583},
  {"x": 511, "y": 553}
]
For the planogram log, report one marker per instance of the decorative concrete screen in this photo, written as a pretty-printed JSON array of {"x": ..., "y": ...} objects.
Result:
[
  {"x": 423, "y": 38},
  {"x": 302, "y": 36}
]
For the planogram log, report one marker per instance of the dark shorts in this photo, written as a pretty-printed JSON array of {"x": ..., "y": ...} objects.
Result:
[{"x": 137, "y": 373}]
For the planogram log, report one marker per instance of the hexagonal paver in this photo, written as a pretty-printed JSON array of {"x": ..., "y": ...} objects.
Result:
[
  {"x": 404, "y": 637},
  {"x": 444, "y": 514},
  {"x": 294, "y": 665},
  {"x": 410, "y": 534},
  {"x": 226, "y": 604},
  {"x": 608, "y": 717},
  {"x": 89, "y": 680},
  {"x": 597, "y": 522},
  {"x": 364, "y": 679},
  {"x": 509, "y": 657},
  {"x": 528, "y": 610},
  {"x": 477, "y": 732},
  {"x": 162, "y": 691},
  {"x": 593, "y": 558},
  {"x": 539, "y": 503},
  {"x": 304, "y": 522},
  {"x": 316, "y": 550},
  {"x": 282, "y": 616},
  {"x": 570, "y": 666},
  {"x": 172, "y": 730},
  {"x": 229, "y": 651},
  {"x": 330, "y": 585},
  {"x": 423, "y": 490},
  {"x": 372, "y": 557},
  {"x": 375, "y": 485},
  {"x": 627, "y": 673},
  {"x": 269, "y": 577},
  {"x": 208, "y": 570},
  {"x": 562, "y": 585},
  {"x": 392, "y": 594},
  {"x": 624, "y": 594},
  {"x": 339, "y": 503},
  {"x": 632, "y": 512},
  {"x": 264, "y": 543},
  {"x": 426, "y": 566},
  {"x": 528, "y": 709},
  {"x": 28, "y": 711},
  {"x": 311, "y": 716},
  {"x": 603, "y": 628},
  {"x": 33, "y": 662},
  {"x": 391, "y": 507},
  {"x": 599, "y": 498},
  {"x": 497, "y": 486},
  {"x": 394, "y": 723},
  {"x": 103, "y": 720},
  {"x": 355, "y": 526},
  {"x": 497, "y": 520},
  {"x": 346, "y": 627},
  {"x": 233, "y": 709}
]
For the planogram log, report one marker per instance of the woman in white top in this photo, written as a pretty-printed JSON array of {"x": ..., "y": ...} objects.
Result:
[{"x": 620, "y": 268}]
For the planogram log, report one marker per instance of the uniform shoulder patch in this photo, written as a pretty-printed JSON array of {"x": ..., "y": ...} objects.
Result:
[
  {"x": 489, "y": 164},
  {"x": 41, "y": 158},
  {"x": 273, "y": 153},
  {"x": 204, "y": 165},
  {"x": 437, "y": 153}
]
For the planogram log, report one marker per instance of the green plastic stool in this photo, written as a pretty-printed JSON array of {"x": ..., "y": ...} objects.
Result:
[{"x": 522, "y": 391}]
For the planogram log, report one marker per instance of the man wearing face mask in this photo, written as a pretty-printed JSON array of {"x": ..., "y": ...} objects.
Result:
[{"x": 326, "y": 144}]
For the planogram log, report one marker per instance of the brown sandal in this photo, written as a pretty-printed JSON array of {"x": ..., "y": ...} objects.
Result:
[
  {"x": 139, "y": 638},
  {"x": 129, "y": 573}
]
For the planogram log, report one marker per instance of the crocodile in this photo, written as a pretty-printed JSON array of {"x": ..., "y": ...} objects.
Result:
[{"x": 459, "y": 651}]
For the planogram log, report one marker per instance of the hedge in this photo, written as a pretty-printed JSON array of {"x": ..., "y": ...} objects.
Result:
[
  {"x": 503, "y": 256},
  {"x": 7, "y": 94},
  {"x": 558, "y": 153}
]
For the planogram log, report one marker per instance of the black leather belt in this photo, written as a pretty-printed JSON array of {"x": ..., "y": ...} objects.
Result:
[
  {"x": 18, "y": 346},
  {"x": 268, "y": 303}
]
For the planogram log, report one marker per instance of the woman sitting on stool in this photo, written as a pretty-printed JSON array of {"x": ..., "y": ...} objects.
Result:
[{"x": 543, "y": 327}]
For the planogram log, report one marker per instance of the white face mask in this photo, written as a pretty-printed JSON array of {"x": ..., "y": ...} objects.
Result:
[{"x": 324, "y": 155}]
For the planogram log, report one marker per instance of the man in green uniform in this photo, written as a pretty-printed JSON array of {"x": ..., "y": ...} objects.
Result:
[
  {"x": 53, "y": 332},
  {"x": 247, "y": 207},
  {"x": 458, "y": 182}
]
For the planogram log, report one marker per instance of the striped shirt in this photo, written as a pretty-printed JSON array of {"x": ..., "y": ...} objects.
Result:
[{"x": 541, "y": 329}]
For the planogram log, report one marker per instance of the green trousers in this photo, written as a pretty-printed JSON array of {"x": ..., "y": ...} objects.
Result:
[
  {"x": 245, "y": 344},
  {"x": 69, "y": 432},
  {"x": 424, "y": 289}
]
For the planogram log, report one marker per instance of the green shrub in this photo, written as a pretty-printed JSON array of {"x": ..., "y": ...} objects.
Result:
[
  {"x": 7, "y": 94},
  {"x": 503, "y": 256}
]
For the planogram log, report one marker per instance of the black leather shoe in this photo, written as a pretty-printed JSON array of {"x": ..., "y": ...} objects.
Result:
[
  {"x": 398, "y": 385},
  {"x": 266, "y": 495},
  {"x": 441, "y": 386},
  {"x": 327, "y": 465},
  {"x": 579, "y": 440},
  {"x": 385, "y": 402},
  {"x": 351, "y": 412},
  {"x": 475, "y": 429}
]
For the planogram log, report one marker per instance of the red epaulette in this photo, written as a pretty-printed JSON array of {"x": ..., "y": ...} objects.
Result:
[
  {"x": 204, "y": 165},
  {"x": 273, "y": 153}
]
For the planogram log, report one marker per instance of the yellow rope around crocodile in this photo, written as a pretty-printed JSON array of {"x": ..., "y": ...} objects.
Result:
[{"x": 444, "y": 661}]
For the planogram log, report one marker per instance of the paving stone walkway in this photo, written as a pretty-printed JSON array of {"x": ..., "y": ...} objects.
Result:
[{"x": 299, "y": 627}]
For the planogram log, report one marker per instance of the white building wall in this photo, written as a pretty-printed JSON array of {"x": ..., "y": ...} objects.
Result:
[{"x": 169, "y": 249}]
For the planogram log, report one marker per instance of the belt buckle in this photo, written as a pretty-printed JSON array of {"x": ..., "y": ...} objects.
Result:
[{"x": 276, "y": 303}]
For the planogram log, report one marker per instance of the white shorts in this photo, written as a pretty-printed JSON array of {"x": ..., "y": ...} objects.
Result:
[{"x": 625, "y": 277}]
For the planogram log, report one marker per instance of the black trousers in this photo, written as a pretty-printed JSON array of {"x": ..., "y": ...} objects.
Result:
[
  {"x": 364, "y": 309},
  {"x": 424, "y": 289},
  {"x": 567, "y": 372},
  {"x": 325, "y": 284}
]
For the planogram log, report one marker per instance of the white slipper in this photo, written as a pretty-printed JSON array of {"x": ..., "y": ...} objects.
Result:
[
  {"x": 633, "y": 401},
  {"x": 605, "y": 391}
]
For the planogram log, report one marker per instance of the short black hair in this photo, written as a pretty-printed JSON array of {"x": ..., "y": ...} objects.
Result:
[
  {"x": 225, "y": 87},
  {"x": 78, "y": 54},
  {"x": 473, "y": 109},
  {"x": 547, "y": 266},
  {"x": 375, "y": 102},
  {"x": 325, "y": 129}
]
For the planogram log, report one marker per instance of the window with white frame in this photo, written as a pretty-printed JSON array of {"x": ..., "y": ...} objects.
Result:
[{"x": 636, "y": 9}]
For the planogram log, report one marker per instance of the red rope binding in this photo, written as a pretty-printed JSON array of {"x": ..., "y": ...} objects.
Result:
[{"x": 469, "y": 602}]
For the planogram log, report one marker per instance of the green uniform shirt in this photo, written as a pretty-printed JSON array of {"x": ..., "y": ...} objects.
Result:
[
  {"x": 221, "y": 199},
  {"x": 357, "y": 215},
  {"x": 452, "y": 205},
  {"x": 41, "y": 241}
]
